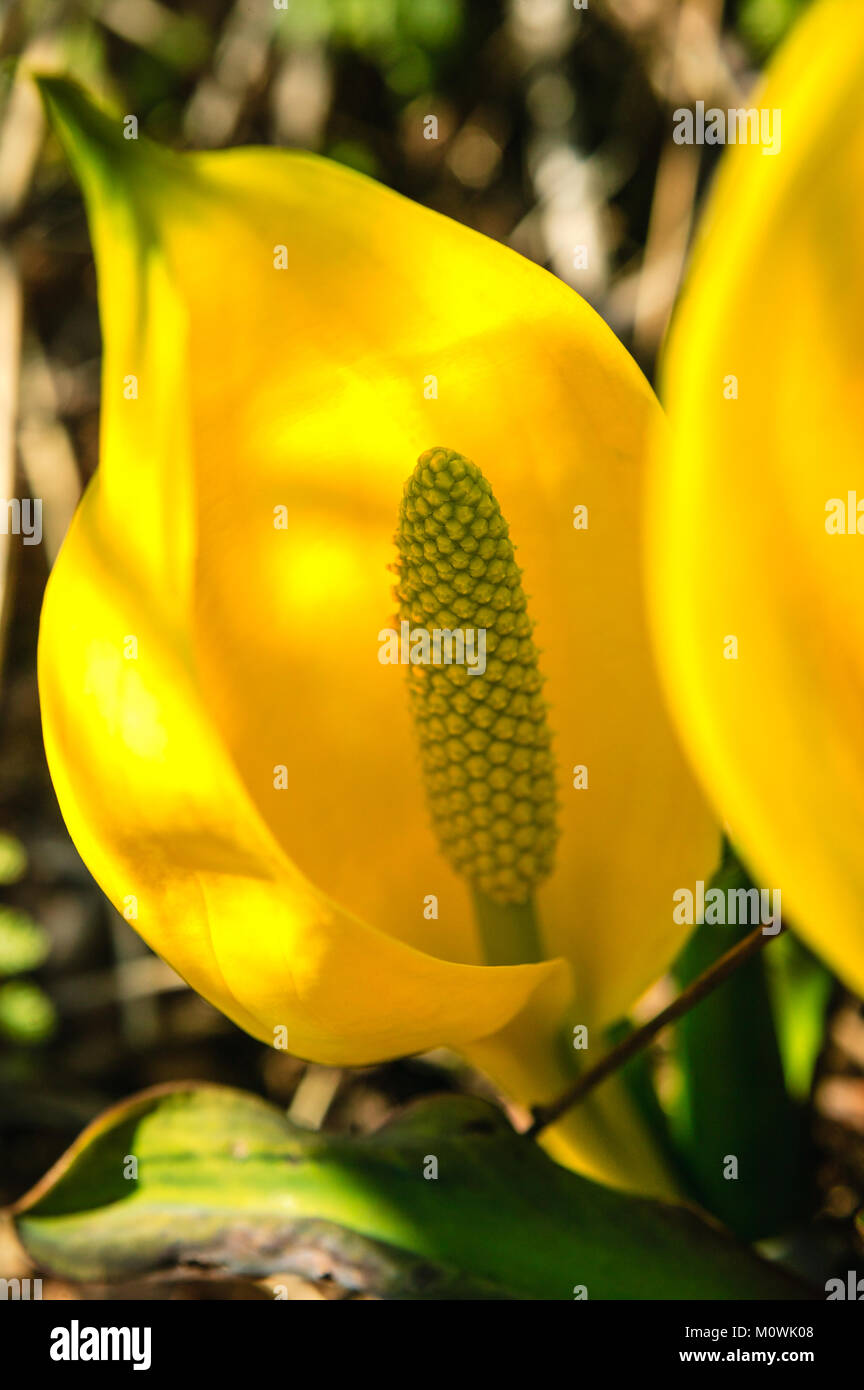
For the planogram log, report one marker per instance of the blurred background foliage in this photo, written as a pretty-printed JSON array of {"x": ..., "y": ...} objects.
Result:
[{"x": 554, "y": 136}]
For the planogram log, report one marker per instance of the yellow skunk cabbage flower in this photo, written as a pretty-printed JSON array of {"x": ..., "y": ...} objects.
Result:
[
  {"x": 756, "y": 557},
  {"x": 240, "y": 766}
]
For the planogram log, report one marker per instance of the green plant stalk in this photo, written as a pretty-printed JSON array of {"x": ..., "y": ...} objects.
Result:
[{"x": 509, "y": 932}]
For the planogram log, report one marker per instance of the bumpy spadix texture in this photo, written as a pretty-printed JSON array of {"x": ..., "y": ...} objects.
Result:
[
  {"x": 485, "y": 738},
  {"x": 293, "y": 385}
]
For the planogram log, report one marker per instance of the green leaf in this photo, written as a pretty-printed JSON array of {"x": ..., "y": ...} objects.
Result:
[
  {"x": 764, "y": 23},
  {"x": 223, "y": 1179},
  {"x": 13, "y": 859},
  {"x": 732, "y": 1100},
  {"x": 27, "y": 1015},
  {"x": 801, "y": 988},
  {"x": 24, "y": 945}
]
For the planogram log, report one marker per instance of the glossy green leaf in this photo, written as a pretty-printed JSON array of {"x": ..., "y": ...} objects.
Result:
[
  {"x": 224, "y": 1180},
  {"x": 732, "y": 1102},
  {"x": 801, "y": 988}
]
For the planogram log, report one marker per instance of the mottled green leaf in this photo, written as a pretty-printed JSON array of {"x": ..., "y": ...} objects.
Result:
[{"x": 224, "y": 1180}]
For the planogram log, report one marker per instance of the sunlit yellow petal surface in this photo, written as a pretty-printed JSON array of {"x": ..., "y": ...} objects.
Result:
[
  {"x": 328, "y": 417},
  {"x": 251, "y": 777},
  {"x": 168, "y": 831},
  {"x": 739, "y": 545},
  {"x": 143, "y": 779}
]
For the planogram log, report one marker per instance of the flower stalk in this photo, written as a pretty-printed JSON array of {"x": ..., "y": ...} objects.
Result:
[{"x": 635, "y": 1042}]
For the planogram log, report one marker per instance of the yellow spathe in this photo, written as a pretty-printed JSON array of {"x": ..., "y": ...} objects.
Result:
[
  {"x": 737, "y": 519},
  {"x": 241, "y": 528}
]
